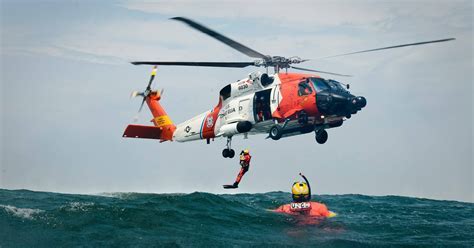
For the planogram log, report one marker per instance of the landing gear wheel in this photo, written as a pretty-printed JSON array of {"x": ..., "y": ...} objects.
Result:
[
  {"x": 321, "y": 136},
  {"x": 225, "y": 153},
  {"x": 228, "y": 153},
  {"x": 275, "y": 132}
]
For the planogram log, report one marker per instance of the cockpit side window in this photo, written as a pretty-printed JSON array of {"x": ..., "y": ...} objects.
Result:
[
  {"x": 320, "y": 84},
  {"x": 225, "y": 92},
  {"x": 304, "y": 88}
]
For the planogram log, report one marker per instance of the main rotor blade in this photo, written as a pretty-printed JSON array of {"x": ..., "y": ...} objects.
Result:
[
  {"x": 232, "y": 43},
  {"x": 325, "y": 72},
  {"x": 391, "y": 47},
  {"x": 209, "y": 64}
]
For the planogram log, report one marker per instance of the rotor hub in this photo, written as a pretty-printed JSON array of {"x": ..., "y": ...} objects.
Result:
[{"x": 278, "y": 62}]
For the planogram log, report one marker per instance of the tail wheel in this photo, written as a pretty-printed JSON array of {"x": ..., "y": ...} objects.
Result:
[
  {"x": 275, "y": 132},
  {"x": 321, "y": 136}
]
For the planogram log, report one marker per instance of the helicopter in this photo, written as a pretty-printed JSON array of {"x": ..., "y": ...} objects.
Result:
[{"x": 281, "y": 104}]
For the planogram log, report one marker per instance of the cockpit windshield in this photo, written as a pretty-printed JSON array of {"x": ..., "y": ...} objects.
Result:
[
  {"x": 335, "y": 85},
  {"x": 319, "y": 84}
]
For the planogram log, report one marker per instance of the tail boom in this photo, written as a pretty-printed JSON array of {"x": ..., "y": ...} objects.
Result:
[{"x": 164, "y": 127}]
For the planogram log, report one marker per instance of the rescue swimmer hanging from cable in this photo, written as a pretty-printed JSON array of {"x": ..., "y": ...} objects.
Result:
[
  {"x": 280, "y": 105},
  {"x": 245, "y": 165}
]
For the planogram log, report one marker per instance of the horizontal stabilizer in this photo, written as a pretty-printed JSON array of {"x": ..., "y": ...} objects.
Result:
[{"x": 143, "y": 132}]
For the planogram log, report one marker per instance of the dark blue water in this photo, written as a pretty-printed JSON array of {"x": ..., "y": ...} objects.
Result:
[{"x": 41, "y": 219}]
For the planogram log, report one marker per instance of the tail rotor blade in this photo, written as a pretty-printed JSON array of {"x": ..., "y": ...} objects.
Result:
[
  {"x": 152, "y": 77},
  {"x": 141, "y": 105},
  {"x": 137, "y": 93},
  {"x": 145, "y": 93},
  {"x": 135, "y": 119}
]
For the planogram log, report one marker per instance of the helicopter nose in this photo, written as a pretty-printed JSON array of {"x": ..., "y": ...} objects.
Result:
[
  {"x": 359, "y": 102},
  {"x": 336, "y": 103}
]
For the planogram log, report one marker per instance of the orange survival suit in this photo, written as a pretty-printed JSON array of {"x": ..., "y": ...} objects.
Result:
[
  {"x": 245, "y": 164},
  {"x": 301, "y": 205}
]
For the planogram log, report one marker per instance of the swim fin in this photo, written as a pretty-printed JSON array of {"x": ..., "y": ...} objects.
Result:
[{"x": 230, "y": 186}]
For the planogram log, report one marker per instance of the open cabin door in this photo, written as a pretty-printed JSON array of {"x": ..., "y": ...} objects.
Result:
[{"x": 262, "y": 110}]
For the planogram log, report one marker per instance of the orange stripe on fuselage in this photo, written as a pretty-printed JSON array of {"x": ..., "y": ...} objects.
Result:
[{"x": 209, "y": 122}]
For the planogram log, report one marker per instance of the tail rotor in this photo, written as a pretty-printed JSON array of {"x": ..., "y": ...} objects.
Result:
[{"x": 145, "y": 93}]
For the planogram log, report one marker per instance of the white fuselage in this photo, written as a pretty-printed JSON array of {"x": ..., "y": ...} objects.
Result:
[{"x": 238, "y": 103}]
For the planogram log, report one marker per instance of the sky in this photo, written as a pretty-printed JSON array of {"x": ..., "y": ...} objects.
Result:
[{"x": 66, "y": 81}]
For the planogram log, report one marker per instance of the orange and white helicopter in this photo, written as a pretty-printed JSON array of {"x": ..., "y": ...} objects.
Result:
[{"x": 282, "y": 104}]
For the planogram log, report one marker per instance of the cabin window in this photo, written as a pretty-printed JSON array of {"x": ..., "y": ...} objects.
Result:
[
  {"x": 225, "y": 92},
  {"x": 304, "y": 88}
]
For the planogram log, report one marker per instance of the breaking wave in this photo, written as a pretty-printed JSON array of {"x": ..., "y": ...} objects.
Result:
[{"x": 24, "y": 213}]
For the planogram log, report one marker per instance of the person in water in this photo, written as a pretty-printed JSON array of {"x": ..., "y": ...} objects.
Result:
[
  {"x": 245, "y": 164},
  {"x": 302, "y": 204}
]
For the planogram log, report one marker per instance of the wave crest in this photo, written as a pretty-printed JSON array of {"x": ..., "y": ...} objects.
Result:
[
  {"x": 24, "y": 213},
  {"x": 78, "y": 206}
]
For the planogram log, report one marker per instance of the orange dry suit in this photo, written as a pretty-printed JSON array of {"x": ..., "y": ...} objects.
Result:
[
  {"x": 314, "y": 209},
  {"x": 245, "y": 164},
  {"x": 302, "y": 204}
]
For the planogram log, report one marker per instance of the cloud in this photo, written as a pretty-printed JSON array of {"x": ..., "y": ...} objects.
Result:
[
  {"x": 323, "y": 28},
  {"x": 276, "y": 12},
  {"x": 373, "y": 15},
  {"x": 65, "y": 52}
]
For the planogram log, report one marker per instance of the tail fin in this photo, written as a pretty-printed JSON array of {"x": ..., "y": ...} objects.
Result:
[{"x": 164, "y": 127}]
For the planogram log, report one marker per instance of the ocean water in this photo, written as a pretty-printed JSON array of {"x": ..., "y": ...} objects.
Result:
[{"x": 42, "y": 219}]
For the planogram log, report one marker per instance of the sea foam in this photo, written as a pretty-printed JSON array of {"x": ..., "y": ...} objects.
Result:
[{"x": 24, "y": 213}]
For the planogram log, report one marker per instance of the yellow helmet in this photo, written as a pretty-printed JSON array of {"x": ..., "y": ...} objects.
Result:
[
  {"x": 300, "y": 192},
  {"x": 246, "y": 151}
]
